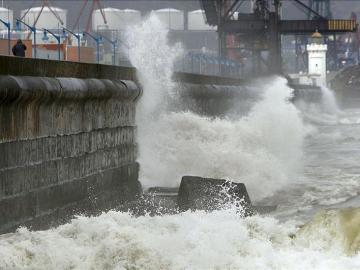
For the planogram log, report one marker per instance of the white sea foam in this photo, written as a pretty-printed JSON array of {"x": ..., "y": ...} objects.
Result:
[
  {"x": 192, "y": 240},
  {"x": 263, "y": 149},
  {"x": 326, "y": 111}
]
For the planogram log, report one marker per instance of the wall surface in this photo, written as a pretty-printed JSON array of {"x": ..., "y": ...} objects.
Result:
[
  {"x": 67, "y": 145},
  {"x": 47, "y": 68}
]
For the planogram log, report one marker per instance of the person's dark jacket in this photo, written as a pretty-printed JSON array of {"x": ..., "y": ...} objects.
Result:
[{"x": 19, "y": 49}]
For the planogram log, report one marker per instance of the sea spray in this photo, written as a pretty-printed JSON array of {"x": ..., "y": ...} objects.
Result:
[
  {"x": 326, "y": 111},
  {"x": 337, "y": 229},
  {"x": 262, "y": 149},
  {"x": 154, "y": 59},
  {"x": 191, "y": 240},
  {"x": 328, "y": 101}
]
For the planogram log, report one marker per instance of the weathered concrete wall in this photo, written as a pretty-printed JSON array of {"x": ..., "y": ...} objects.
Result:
[
  {"x": 215, "y": 100},
  {"x": 212, "y": 95},
  {"x": 215, "y": 96},
  {"x": 67, "y": 145},
  {"x": 18, "y": 66}
]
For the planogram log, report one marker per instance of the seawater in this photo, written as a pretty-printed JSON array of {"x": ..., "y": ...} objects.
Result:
[{"x": 301, "y": 157}]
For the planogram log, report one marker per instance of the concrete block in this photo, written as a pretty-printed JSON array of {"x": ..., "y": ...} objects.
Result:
[
  {"x": 197, "y": 193},
  {"x": 63, "y": 141}
]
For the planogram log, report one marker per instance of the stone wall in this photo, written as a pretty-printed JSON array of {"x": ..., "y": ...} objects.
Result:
[{"x": 67, "y": 145}]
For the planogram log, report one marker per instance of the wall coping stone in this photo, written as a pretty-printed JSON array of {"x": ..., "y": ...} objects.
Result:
[
  {"x": 23, "y": 89},
  {"x": 18, "y": 66}
]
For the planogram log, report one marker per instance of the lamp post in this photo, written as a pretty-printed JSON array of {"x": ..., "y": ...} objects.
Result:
[
  {"x": 77, "y": 36},
  {"x": 57, "y": 37},
  {"x": 7, "y": 24},
  {"x": 32, "y": 29},
  {"x": 113, "y": 43},
  {"x": 97, "y": 39}
]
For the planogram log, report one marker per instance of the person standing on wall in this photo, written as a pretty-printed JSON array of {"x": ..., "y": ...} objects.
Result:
[{"x": 19, "y": 49}]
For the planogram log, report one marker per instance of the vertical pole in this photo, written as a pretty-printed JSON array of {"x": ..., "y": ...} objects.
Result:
[
  {"x": 34, "y": 43},
  {"x": 9, "y": 37},
  {"x": 97, "y": 51},
  {"x": 9, "y": 25},
  {"x": 186, "y": 19},
  {"x": 192, "y": 63},
  {"x": 59, "y": 49},
  {"x": 114, "y": 52},
  {"x": 79, "y": 41},
  {"x": 78, "y": 38},
  {"x": 200, "y": 69},
  {"x": 221, "y": 49},
  {"x": 357, "y": 48},
  {"x": 335, "y": 53},
  {"x": 275, "y": 39},
  {"x": 297, "y": 52}
]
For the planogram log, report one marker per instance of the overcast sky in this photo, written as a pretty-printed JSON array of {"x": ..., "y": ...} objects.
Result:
[{"x": 340, "y": 8}]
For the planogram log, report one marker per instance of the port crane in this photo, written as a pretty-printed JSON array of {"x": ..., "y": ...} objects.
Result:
[
  {"x": 95, "y": 4},
  {"x": 45, "y": 3},
  {"x": 260, "y": 30}
]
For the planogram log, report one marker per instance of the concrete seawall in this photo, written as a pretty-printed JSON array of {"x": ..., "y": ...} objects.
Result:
[
  {"x": 67, "y": 145},
  {"x": 68, "y": 137}
]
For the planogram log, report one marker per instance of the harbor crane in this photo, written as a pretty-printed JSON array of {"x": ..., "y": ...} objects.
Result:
[{"x": 260, "y": 30}]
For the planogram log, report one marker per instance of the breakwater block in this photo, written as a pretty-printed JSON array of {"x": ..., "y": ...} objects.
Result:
[{"x": 197, "y": 193}]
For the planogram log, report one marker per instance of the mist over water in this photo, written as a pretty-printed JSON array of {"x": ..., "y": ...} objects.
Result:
[
  {"x": 301, "y": 157},
  {"x": 326, "y": 111},
  {"x": 153, "y": 58},
  {"x": 262, "y": 149}
]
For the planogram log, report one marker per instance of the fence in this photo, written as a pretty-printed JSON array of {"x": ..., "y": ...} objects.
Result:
[{"x": 193, "y": 61}]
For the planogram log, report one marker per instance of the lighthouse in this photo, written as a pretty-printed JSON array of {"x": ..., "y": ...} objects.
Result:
[{"x": 317, "y": 59}]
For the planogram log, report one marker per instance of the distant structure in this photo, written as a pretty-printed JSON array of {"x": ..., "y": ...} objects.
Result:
[
  {"x": 117, "y": 22},
  {"x": 184, "y": 24},
  {"x": 196, "y": 21},
  {"x": 7, "y": 15},
  {"x": 317, "y": 70},
  {"x": 117, "y": 19},
  {"x": 44, "y": 16},
  {"x": 317, "y": 59},
  {"x": 95, "y": 4},
  {"x": 322, "y": 7},
  {"x": 259, "y": 34},
  {"x": 172, "y": 18}
]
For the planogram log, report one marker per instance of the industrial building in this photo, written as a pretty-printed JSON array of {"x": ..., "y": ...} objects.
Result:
[{"x": 195, "y": 24}]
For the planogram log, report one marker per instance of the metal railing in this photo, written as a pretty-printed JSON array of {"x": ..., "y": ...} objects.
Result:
[{"x": 192, "y": 62}]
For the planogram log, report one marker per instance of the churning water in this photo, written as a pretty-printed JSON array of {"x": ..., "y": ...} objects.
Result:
[{"x": 302, "y": 157}]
